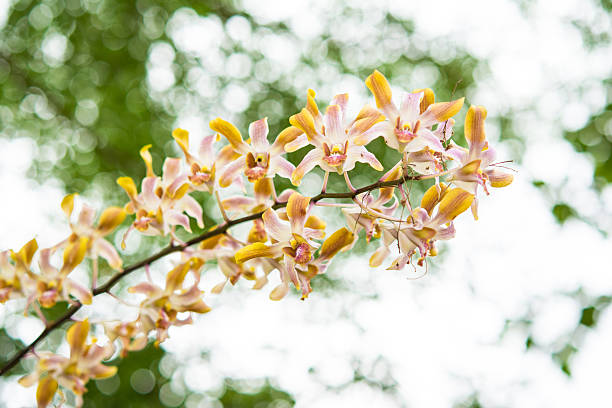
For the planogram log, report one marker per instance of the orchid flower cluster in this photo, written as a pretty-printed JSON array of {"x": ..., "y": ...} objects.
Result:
[{"x": 288, "y": 241}]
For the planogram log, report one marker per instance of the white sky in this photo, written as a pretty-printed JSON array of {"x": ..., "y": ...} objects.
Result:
[{"x": 440, "y": 334}]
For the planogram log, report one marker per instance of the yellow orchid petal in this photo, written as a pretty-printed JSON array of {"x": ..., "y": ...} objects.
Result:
[
  {"x": 200, "y": 307},
  {"x": 68, "y": 204},
  {"x": 128, "y": 185},
  {"x": 432, "y": 196},
  {"x": 255, "y": 250},
  {"x": 181, "y": 191},
  {"x": 378, "y": 85},
  {"x": 474, "y": 126},
  {"x": 110, "y": 219},
  {"x": 311, "y": 105},
  {"x": 428, "y": 98},
  {"x": 455, "y": 202},
  {"x": 76, "y": 336},
  {"x": 315, "y": 222},
  {"x": 176, "y": 276},
  {"x": 181, "y": 137},
  {"x": 297, "y": 205},
  {"x": 231, "y": 133},
  {"x": 263, "y": 188},
  {"x": 305, "y": 122},
  {"x": 26, "y": 253},
  {"x": 499, "y": 179},
  {"x": 46, "y": 391},
  {"x": 442, "y": 111},
  {"x": 336, "y": 241},
  {"x": 148, "y": 159},
  {"x": 470, "y": 168},
  {"x": 379, "y": 256},
  {"x": 279, "y": 292},
  {"x": 74, "y": 253},
  {"x": 103, "y": 371},
  {"x": 287, "y": 135}
]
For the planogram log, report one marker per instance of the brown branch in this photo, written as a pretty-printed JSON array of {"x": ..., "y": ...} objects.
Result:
[{"x": 175, "y": 248}]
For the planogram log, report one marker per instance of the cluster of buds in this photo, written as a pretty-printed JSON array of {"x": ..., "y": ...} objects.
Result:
[{"x": 287, "y": 236}]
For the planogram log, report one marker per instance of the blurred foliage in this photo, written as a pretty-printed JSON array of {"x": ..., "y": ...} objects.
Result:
[
  {"x": 142, "y": 381},
  {"x": 595, "y": 138}
]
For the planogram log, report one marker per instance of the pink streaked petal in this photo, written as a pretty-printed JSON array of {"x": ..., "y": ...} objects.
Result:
[
  {"x": 364, "y": 156},
  {"x": 82, "y": 294},
  {"x": 45, "y": 262},
  {"x": 284, "y": 196},
  {"x": 410, "y": 107},
  {"x": 238, "y": 203},
  {"x": 342, "y": 101},
  {"x": 193, "y": 209},
  {"x": 108, "y": 252},
  {"x": 425, "y": 138},
  {"x": 298, "y": 143},
  {"x": 206, "y": 152},
  {"x": 150, "y": 200},
  {"x": 282, "y": 167},
  {"x": 444, "y": 131},
  {"x": 176, "y": 218},
  {"x": 457, "y": 153},
  {"x": 291, "y": 271},
  {"x": 145, "y": 288},
  {"x": 231, "y": 171},
  {"x": 278, "y": 229},
  {"x": 419, "y": 217},
  {"x": 171, "y": 170},
  {"x": 446, "y": 233},
  {"x": 487, "y": 157},
  {"x": 333, "y": 124},
  {"x": 87, "y": 216},
  {"x": 258, "y": 131},
  {"x": 309, "y": 161}
]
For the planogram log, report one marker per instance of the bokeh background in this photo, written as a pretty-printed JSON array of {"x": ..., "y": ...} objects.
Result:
[{"x": 513, "y": 313}]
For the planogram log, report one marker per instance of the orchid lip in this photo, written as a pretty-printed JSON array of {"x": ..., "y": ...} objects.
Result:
[
  {"x": 335, "y": 159},
  {"x": 405, "y": 135}
]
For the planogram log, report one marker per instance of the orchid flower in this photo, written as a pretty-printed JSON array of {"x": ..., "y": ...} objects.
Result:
[
  {"x": 73, "y": 373},
  {"x": 408, "y": 128},
  {"x": 206, "y": 162},
  {"x": 53, "y": 284},
  {"x": 83, "y": 228},
  {"x": 15, "y": 278},
  {"x": 333, "y": 135},
  {"x": 293, "y": 243},
  {"x": 421, "y": 229},
  {"x": 369, "y": 220},
  {"x": 161, "y": 307},
  {"x": 477, "y": 164},
  {"x": 258, "y": 158},
  {"x": 160, "y": 205},
  {"x": 131, "y": 335}
]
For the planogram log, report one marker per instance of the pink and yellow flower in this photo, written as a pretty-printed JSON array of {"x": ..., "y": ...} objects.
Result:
[
  {"x": 258, "y": 158},
  {"x": 293, "y": 245},
  {"x": 110, "y": 219},
  {"x": 421, "y": 230},
  {"x": 73, "y": 373},
  {"x": 162, "y": 201},
  {"x": 333, "y": 135},
  {"x": 409, "y": 128},
  {"x": 206, "y": 162},
  {"x": 161, "y": 307},
  {"x": 477, "y": 166}
]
